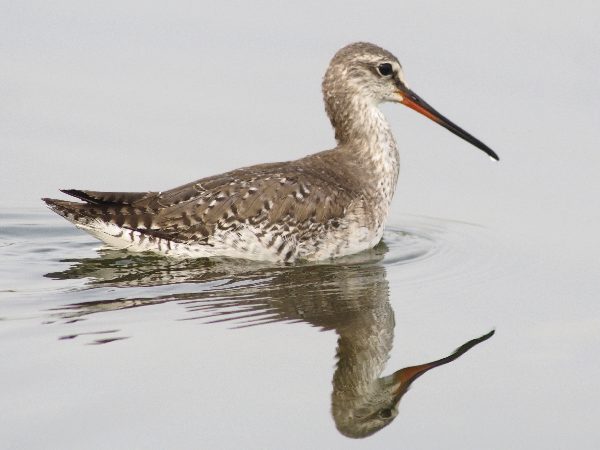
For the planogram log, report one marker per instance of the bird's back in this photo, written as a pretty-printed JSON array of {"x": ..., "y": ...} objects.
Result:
[{"x": 278, "y": 211}]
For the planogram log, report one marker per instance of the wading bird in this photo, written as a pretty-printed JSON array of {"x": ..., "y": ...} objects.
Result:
[{"x": 325, "y": 205}]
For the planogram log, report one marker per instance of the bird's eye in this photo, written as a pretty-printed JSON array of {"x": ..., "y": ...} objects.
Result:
[
  {"x": 385, "y": 69},
  {"x": 385, "y": 413}
]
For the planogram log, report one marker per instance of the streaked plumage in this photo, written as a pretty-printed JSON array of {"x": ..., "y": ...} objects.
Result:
[{"x": 329, "y": 204}]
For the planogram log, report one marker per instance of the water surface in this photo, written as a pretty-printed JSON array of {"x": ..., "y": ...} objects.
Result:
[
  {"x": 141, "y": 351},
  {"x": 108, "y": 340}
]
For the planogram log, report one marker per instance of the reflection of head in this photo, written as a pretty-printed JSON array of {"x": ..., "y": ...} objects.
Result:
[
  {"x": 362, "y": 407},
  {"x": 368, "y": 413}
]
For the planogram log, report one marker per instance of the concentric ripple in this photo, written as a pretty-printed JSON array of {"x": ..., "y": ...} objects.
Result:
[{"x": 439, "y": 249}]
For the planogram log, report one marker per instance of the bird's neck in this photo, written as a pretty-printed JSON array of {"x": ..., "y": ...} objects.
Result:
[
  {"x": 363, "y": 132},
  {"x": 363, "y": 350}
]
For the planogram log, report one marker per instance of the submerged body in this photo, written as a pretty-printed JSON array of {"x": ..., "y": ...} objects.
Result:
[{"x": 325, "y": 205}]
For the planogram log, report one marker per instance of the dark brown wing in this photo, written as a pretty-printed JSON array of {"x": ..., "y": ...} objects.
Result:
[
  {"x": 109, "y": 198},
  {"x": 281, "y": 194},
  {"x": 303, "y": 194}
]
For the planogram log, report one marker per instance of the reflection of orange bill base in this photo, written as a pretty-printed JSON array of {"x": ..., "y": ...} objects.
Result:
[
  {"x": 413, "y": 101},
  {"x": 404, "y": 377}
]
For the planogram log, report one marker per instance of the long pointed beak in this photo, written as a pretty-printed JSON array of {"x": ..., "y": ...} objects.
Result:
[
  {"x": 413, "y": 101},
  {"x": 405, "y": 377}
]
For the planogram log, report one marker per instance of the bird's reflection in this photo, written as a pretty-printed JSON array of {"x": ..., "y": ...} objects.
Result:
[{"x": 350, "y": 297}]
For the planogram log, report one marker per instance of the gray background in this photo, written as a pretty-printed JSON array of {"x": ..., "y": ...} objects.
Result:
[{"x": 138, "y": 96}]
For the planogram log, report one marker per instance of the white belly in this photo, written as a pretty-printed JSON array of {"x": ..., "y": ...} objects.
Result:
[{"x": 244, "y": 243}]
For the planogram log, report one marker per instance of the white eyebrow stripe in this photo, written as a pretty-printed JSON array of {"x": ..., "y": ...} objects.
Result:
[{"x": 401, "y": 76}]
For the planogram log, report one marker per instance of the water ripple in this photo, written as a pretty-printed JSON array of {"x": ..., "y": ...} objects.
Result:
[{"x": 73, "y": 272}]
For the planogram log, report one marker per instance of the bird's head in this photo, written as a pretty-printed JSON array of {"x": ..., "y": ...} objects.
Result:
[{"x": 366, "y": 72}]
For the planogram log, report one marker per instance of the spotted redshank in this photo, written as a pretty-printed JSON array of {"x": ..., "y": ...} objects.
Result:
[{"x": 328, "y": 204}]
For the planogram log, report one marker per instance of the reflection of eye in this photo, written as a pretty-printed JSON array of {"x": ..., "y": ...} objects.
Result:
[
  {"x": 385, "y": 413},
  {"x": 385, "y": 69}
]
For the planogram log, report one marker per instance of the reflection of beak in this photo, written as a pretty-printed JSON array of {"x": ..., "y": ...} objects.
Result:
[
  {"x": 413, "y": 101},
  {"x": 404, "y": 377}
]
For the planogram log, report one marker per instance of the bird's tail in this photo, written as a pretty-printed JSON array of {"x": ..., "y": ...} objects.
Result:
[{"x": 78, "y": 213}]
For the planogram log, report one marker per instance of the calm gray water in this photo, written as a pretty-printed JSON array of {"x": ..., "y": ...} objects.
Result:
[{"x": 105, "y": 349}]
